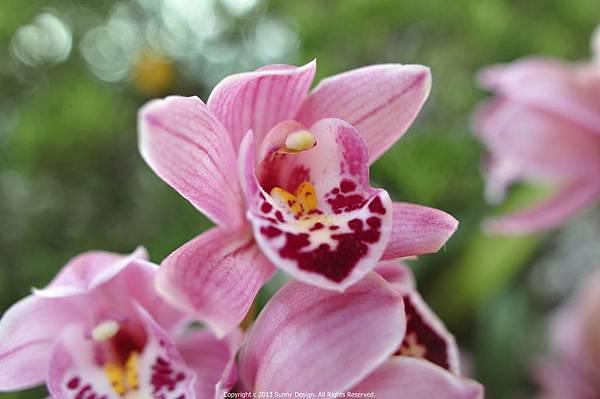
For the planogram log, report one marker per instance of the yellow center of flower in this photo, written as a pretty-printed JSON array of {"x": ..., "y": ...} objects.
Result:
[
  {"x": 123, "y": 378},
  {"x": 301, "y": 140},
  {"x": 301, "y": 203}
]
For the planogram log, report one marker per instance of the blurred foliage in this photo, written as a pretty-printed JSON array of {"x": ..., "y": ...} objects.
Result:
[{"x": 71, "y": 178}]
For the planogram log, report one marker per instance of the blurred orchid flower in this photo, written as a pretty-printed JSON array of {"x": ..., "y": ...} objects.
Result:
[
  {"x": 99, "y": 330},
  {"x": 573, "y": 369},
  {"x": 284, "y": 175},
  {"x": 308, "y": 339},
  {"x": 543, "y": 126}
]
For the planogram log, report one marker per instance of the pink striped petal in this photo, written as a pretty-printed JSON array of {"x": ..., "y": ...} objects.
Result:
[
  {"x": 28, "y": 331},
  {"x": 426, "y": 336},
  {"x": 259, "y": 100},
  {"x": 418, "y": 230},
  {"x": 564, "y": 89},
  {"x": 189, "y": 149},
  {"x": 308, "y": 339},
  {"x": 162, "y": 372},
  {"x": 410, "y": 378},
  {"x": 107, "y": 278},
  {"x": 542, "y": 145},
  {"x": 336, "y": 244},
  {"x": 380, "y": 101},
  {"x": 87, "y": 271},
  {"x": 135, "y": 285},
  {"x": 570, "y": 200},
  {"x": 208, "y": 357},
  {"x": 215, "y": 277}
]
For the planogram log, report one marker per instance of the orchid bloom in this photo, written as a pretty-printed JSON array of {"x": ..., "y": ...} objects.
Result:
[
  {"x": 374, "y": 337},
  {"x": 543, "y": 126},
  {"x": 100, "y": 331},
  {"x": 284, "y": 175},
  {"x": 572, "y": 371}
]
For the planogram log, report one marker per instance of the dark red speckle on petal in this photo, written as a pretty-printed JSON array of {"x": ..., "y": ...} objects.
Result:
[
  {"x": 317, "y": 226},
  {"x": 270, "y": 231},
  {"x": 346, "y": 203},
  {"x": 83, "y": 391},
  {"x": 436, "y": 348},
  {"x": 279, "y": 216},
  {"x": 73, "y": 383},
  {"x": 266, "y": 207},
  {"x": 164, "y": 377},
  {"x": 376, "y": 206},
  {"x": 335, "y": 264},
  {"x": 374, "y": 222},
  {"x": 347, "y": 186}
]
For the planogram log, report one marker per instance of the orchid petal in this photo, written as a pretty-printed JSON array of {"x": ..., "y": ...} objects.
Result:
[
  {"x": 208, "y": 357},
  {"x": 426, "y": 336},
  {"x": 565, "y": 378},
  {"x": 259, "y": 100},
  {"x": 28, "y": 331},
  {"x": 87, "y": 271},
  {"x": 338, "y": 242},
  {"x": 190, "y": 150},
  {"x": 135, "y": 285},
  {"x": 410, "y": 378},
  {"x": 380, "y": 101},
  {"x": 418, "y": 230},
  {"x": 542, "y": 145},
  {"x": 570, "y": 200},
  {"x": 549, "y": 85},
  {"x": 308, "y": 339},
  {"x": 160, "y": 369},
  {"x": 215, "y": 277}
]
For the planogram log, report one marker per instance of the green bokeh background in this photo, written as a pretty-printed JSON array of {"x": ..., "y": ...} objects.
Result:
[{"x": 71, "y": 178}]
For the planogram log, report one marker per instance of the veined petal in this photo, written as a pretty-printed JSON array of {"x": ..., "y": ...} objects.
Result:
[
  {"x": 28, "y": 332},
  {"x": 87, "y": 271},
  {"x": 159, "y": 369},
  {"x": 540, "y": 144},
  {"x": 215, "y": 277},
  {"x": 418, "y": 230},
  {"x": 259, "y": 100},
  {"x": 308, "y": 339},
  {"x": 426, "y": 336},
  {"x": 549, "y": 85},
  {"x": 337, "y": 242},
  {"x": 135, "y": 285},
  {"x": 208, "y": 357},
  {"x": 571, "y": 199},
  {"x": 380, "y": 101},
  {"x": 410, "y": 378},
  {"x": 190, "y": 149}
]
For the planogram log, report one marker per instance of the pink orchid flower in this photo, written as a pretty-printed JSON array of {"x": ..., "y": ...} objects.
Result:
[
  {"x": 284, "y": 175},
  {"x": 374, "y": 337},
  {"x": 573, "y": 369},
  {"x": 99, "y": 330},
  {"x": 543, "y": 126}
]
